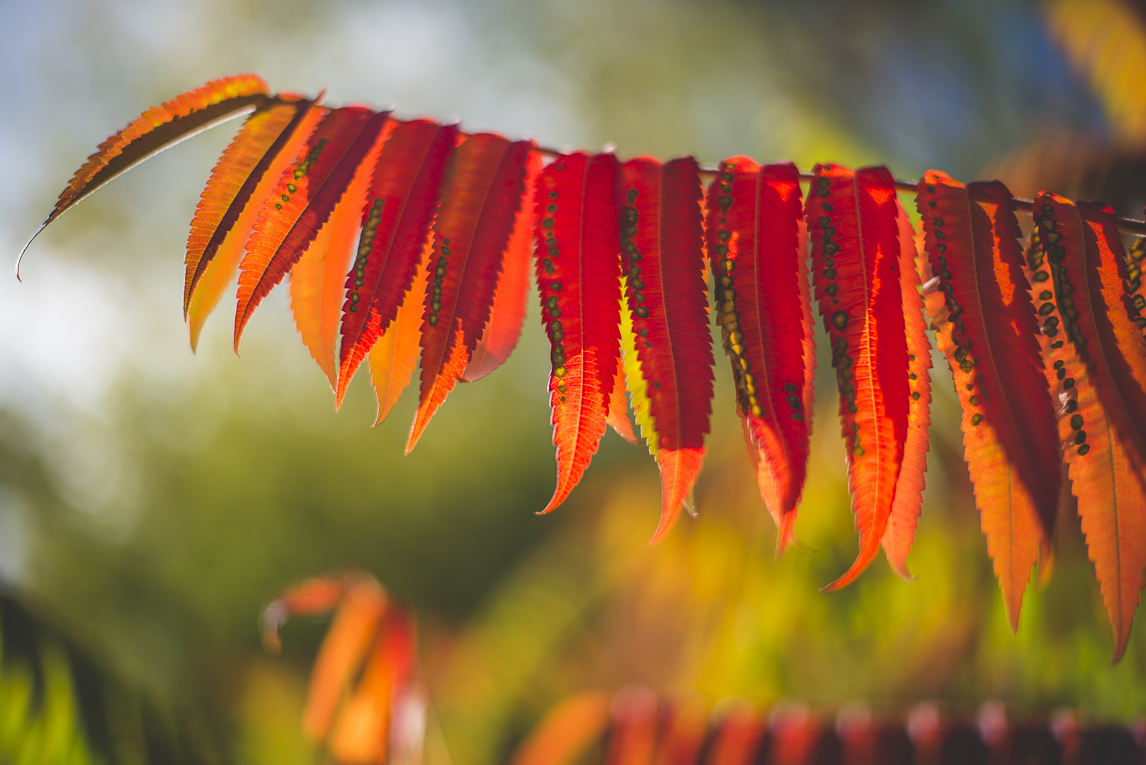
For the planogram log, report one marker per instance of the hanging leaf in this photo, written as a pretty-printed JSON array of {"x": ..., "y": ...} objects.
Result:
[
  {"x": 394, "y": 356},
  {"x": 633, "y": 735},
  {"x": 507, "y": 313},
  {"x": 566, "y": 732},
  {"x": 159, "y": 128},
  {"x": 758, "y": 254},
  {"x": 578, "y": 276},
  {"x": 481, "y": 198},
  {"x": 1107, "y": 258},
  {"x": 211, "y": 270},
  {"x": 306, "y": 193},
  {"x": 902, "y": 520},
  {"x": 662, "y": 252},
  {"x": 1097, "y": 421},
  {"x": 986, "y": 325},
  {"x": 618, "y": 414},
  {"x": 855, "y": 258},
  {"x": 395, "y": 222},
  {"x": 316, "y": 281},
  {"x": 233, "y": 181}
]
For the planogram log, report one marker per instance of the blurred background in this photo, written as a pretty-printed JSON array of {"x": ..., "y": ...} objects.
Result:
[{"x": 152, "y": 501}]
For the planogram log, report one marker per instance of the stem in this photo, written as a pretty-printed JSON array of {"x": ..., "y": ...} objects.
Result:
[{"x": 1125, "y": 225}]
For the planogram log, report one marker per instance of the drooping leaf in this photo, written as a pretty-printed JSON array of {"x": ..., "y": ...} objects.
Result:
[
  {"x": 1099, "y": 422},
  {"x": 395, "y": 223},
  {"x": 855, "y": 258},
  {"x": 682, "y": 732},
  {"x": 986, "y": 325},
  {"x": 159, "y": 128},
  {"x": 316, "y": 281},
  {"x": 368, "y": 722},
  {"x": 566, "y": 731},
  {"x": 757, "y": 252},
  {"x": 234, "y": 179},
  {"x": 364, "y": 703},
  {"x": 481, "y": 198},
  {"x": 902, "y": 520},
  {"x": 302, "y": 201},
  {"x": 212, "y": 270},
  {"x": 578, "y": 276},
  {"x": 1107, "y": 257},
  {"x": 662, "y": 246},
  {"x": 738, "y": 739},
  {"x": 394, "y": 356},
  {"x": 507, "y": 313},
  {"x": 633, "y": 737},
  {"x": 618, "y": 414}
]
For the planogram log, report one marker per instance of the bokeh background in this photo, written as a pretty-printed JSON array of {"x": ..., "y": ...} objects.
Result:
[{"x": 152, "y": 500}]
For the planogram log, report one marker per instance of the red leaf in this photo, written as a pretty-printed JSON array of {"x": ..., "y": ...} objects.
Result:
[
  {"x": 1099, "y": 421},
  {"x": 578, "y": 276},
  {"x": 757, "y": 251},
  {"x": 662, "y": 246},
  {"x": 306, "y": 193},
  {"x": 855, "y": 258},
  {"x": 395, "y": 222},
  {"x": 508, "y": 311},
  {"x": 480, "y": 201},
  {"x": 316, "y": 281},
  {"x": 902, "y": 520}
]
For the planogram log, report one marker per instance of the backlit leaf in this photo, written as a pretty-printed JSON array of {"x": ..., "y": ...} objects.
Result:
[
  {"x": 159, "y": 128},
  {"x": 757, "y": 249},
  {"x": 1098, "y": 422},
  {"x": 507, "y": 313},
  {"x": 855, "y": 257},
  {"x": 302, "y": 201},
  {"x": 316, "y": 281},
  {"x": 662, "y": 251},
  {"x": 578, "y": 276},
  {"x": 901, "y": 522},
  {"x": 481, "y": 198},
  {"x": 212, "y": 270},
  {"x": 394, "y": 356},
  {"x": 395, "y": 223}
]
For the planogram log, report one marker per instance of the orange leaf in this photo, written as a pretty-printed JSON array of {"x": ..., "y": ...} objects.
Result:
[
  {"x": 306, "y": 193},
  {"x": 566, "y": 731},
  {"x": 1099, "y": 421},
  {"x": 986, "y": 327},
  {"x": 394, "y": 356},
  {"x": 856, "y": 255},
  {"x": 342, "y": 653},
  {"x": 212, "y": 270},
  {"x": 316, "y": 281},
  {"x": 235, "y": 176},
  {"x": 159, "y": 128},
  {"x": 901, "y": 522}
]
